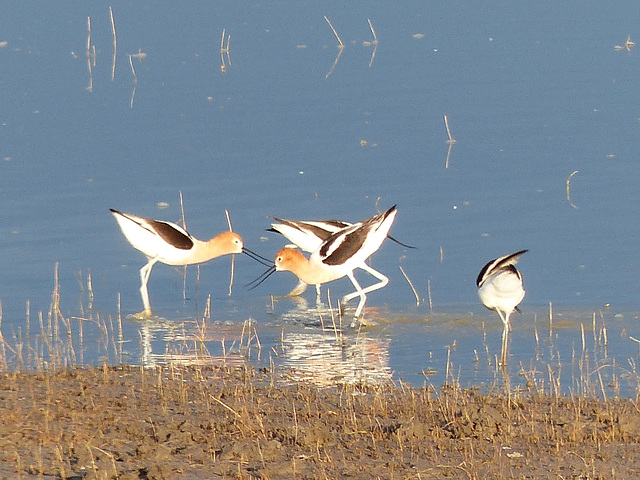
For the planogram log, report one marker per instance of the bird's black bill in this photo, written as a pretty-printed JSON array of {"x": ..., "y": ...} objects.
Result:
[
  {"x": 399, "y": 242},
  {"x": 261, "y": 278},
  {"x": 258, "y": 258}
]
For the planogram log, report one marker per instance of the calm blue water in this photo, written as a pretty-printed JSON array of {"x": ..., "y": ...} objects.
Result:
[{"x": 532, "y": 94}]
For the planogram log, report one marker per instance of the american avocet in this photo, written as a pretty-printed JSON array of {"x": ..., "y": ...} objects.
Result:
[
  {"x": 500, "y": 289},
  {"x": 309, "y": 235},
  {"x": 168, "y": 243},
  {"x": 338, "y": 256}
]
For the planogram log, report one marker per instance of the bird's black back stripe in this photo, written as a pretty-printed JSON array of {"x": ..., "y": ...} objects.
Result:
[
  {"x": 319, "y": 232},
  {"x": 315, "y": 229},
  {"x": 353, "y": 240},
  {"x": 335, "y": 223},
  {"x": 350, "y": 245},
  {"x": 482, "y": 272},
  {"x": 499, "y": 263}
]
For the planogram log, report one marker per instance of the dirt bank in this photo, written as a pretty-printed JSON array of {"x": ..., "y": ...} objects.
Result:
[{"x": 203, "y": 423}]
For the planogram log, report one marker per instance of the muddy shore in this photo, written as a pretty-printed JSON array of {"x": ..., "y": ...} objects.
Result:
[{"x": 216, "y": 422}]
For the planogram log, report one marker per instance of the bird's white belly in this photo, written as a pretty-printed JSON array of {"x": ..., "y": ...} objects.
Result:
[
  {"x": 503, "y": 292},
  {"x": 324, "y": 273},
  {"x": 154, "y": 247}
]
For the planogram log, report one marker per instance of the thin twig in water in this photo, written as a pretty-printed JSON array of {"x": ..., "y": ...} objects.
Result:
[
  {"x": 233, "y": 263},
  {"x": 375, "y": 37},
  {"x": 233, "y": 256},
  {"x": 630, "y": 338},
  {"x": 90, "y": 289},
  {"x": 207, "y": 311},
  {"x": 226, "y": 212},
  {"x": 337, "y": 333},
  {"x": 374, "y": 43},
  {"x": 133, "y": 70},
  {"x": 184, "y": 225},
  {"x": 340, "y": 48},
  {"x": 451, "y": 142},
  {"x": 376, "y": 204},
  {"x": 223, "y": 50},
  {"x": 88, "y": 35},
  {"x": 569, "y": 190},
  {"x": 411, "y": 285},
  {"x": 335, "y": 62},
  {"x": 446, "y": 124},
  {"x": 446, "y": 162},
  {"x": 133, "y": 96},
  {"x": 88, "y": 53},
  {"x": 115, "y": 44},
  {"x": 140, "y": 56},
  {"x": 184, "y": 222}
]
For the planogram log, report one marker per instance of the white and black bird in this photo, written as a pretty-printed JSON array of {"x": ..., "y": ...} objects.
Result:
[
  {"x": 308, "y": 235},
  {"x": 338, "y": 256},
  {"x": 171, "y": 244},
  {"x": 500, "y": 289}
]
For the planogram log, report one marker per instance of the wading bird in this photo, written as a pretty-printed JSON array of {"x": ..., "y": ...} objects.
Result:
[
  {"x": 168, "y": 243},
  {"x": 338, "y": 255},
  {"x": 308, "y": 235},
  {"x": 500, "y": 289}
]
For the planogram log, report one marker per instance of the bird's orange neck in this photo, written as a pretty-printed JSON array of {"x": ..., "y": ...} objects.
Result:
[
  {"x": 294, "y": 261},
  {"x": 222, "y": 244}
]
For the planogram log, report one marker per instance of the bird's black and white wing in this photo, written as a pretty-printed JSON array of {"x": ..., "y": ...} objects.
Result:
[
  {"x": 141, "y": 231},
  {"x": 502, "y": 264},
  {"x": 356, "y": 239},
  {"x": 307, "y": 235}
]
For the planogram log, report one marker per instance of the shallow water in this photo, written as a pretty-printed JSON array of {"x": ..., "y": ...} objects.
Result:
[{"x": 532, "y": 94}]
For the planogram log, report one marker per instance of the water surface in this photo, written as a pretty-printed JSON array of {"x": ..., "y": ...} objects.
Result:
[{"x": 533, "y": 93}]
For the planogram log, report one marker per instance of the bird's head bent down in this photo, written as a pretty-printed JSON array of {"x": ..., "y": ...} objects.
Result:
[
  {"x": 311, "y": 271},
  {"x": 289, "y": 259}
]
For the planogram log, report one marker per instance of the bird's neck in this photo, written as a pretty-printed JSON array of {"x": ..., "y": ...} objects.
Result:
[
  {"x": 207, "y": 250},
  {"x": 303, "y": 271},
  {"x": 312, "y": 274}
]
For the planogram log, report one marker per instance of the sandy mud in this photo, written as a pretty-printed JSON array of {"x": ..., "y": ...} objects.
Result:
[{"x": 215, "y": 422}]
